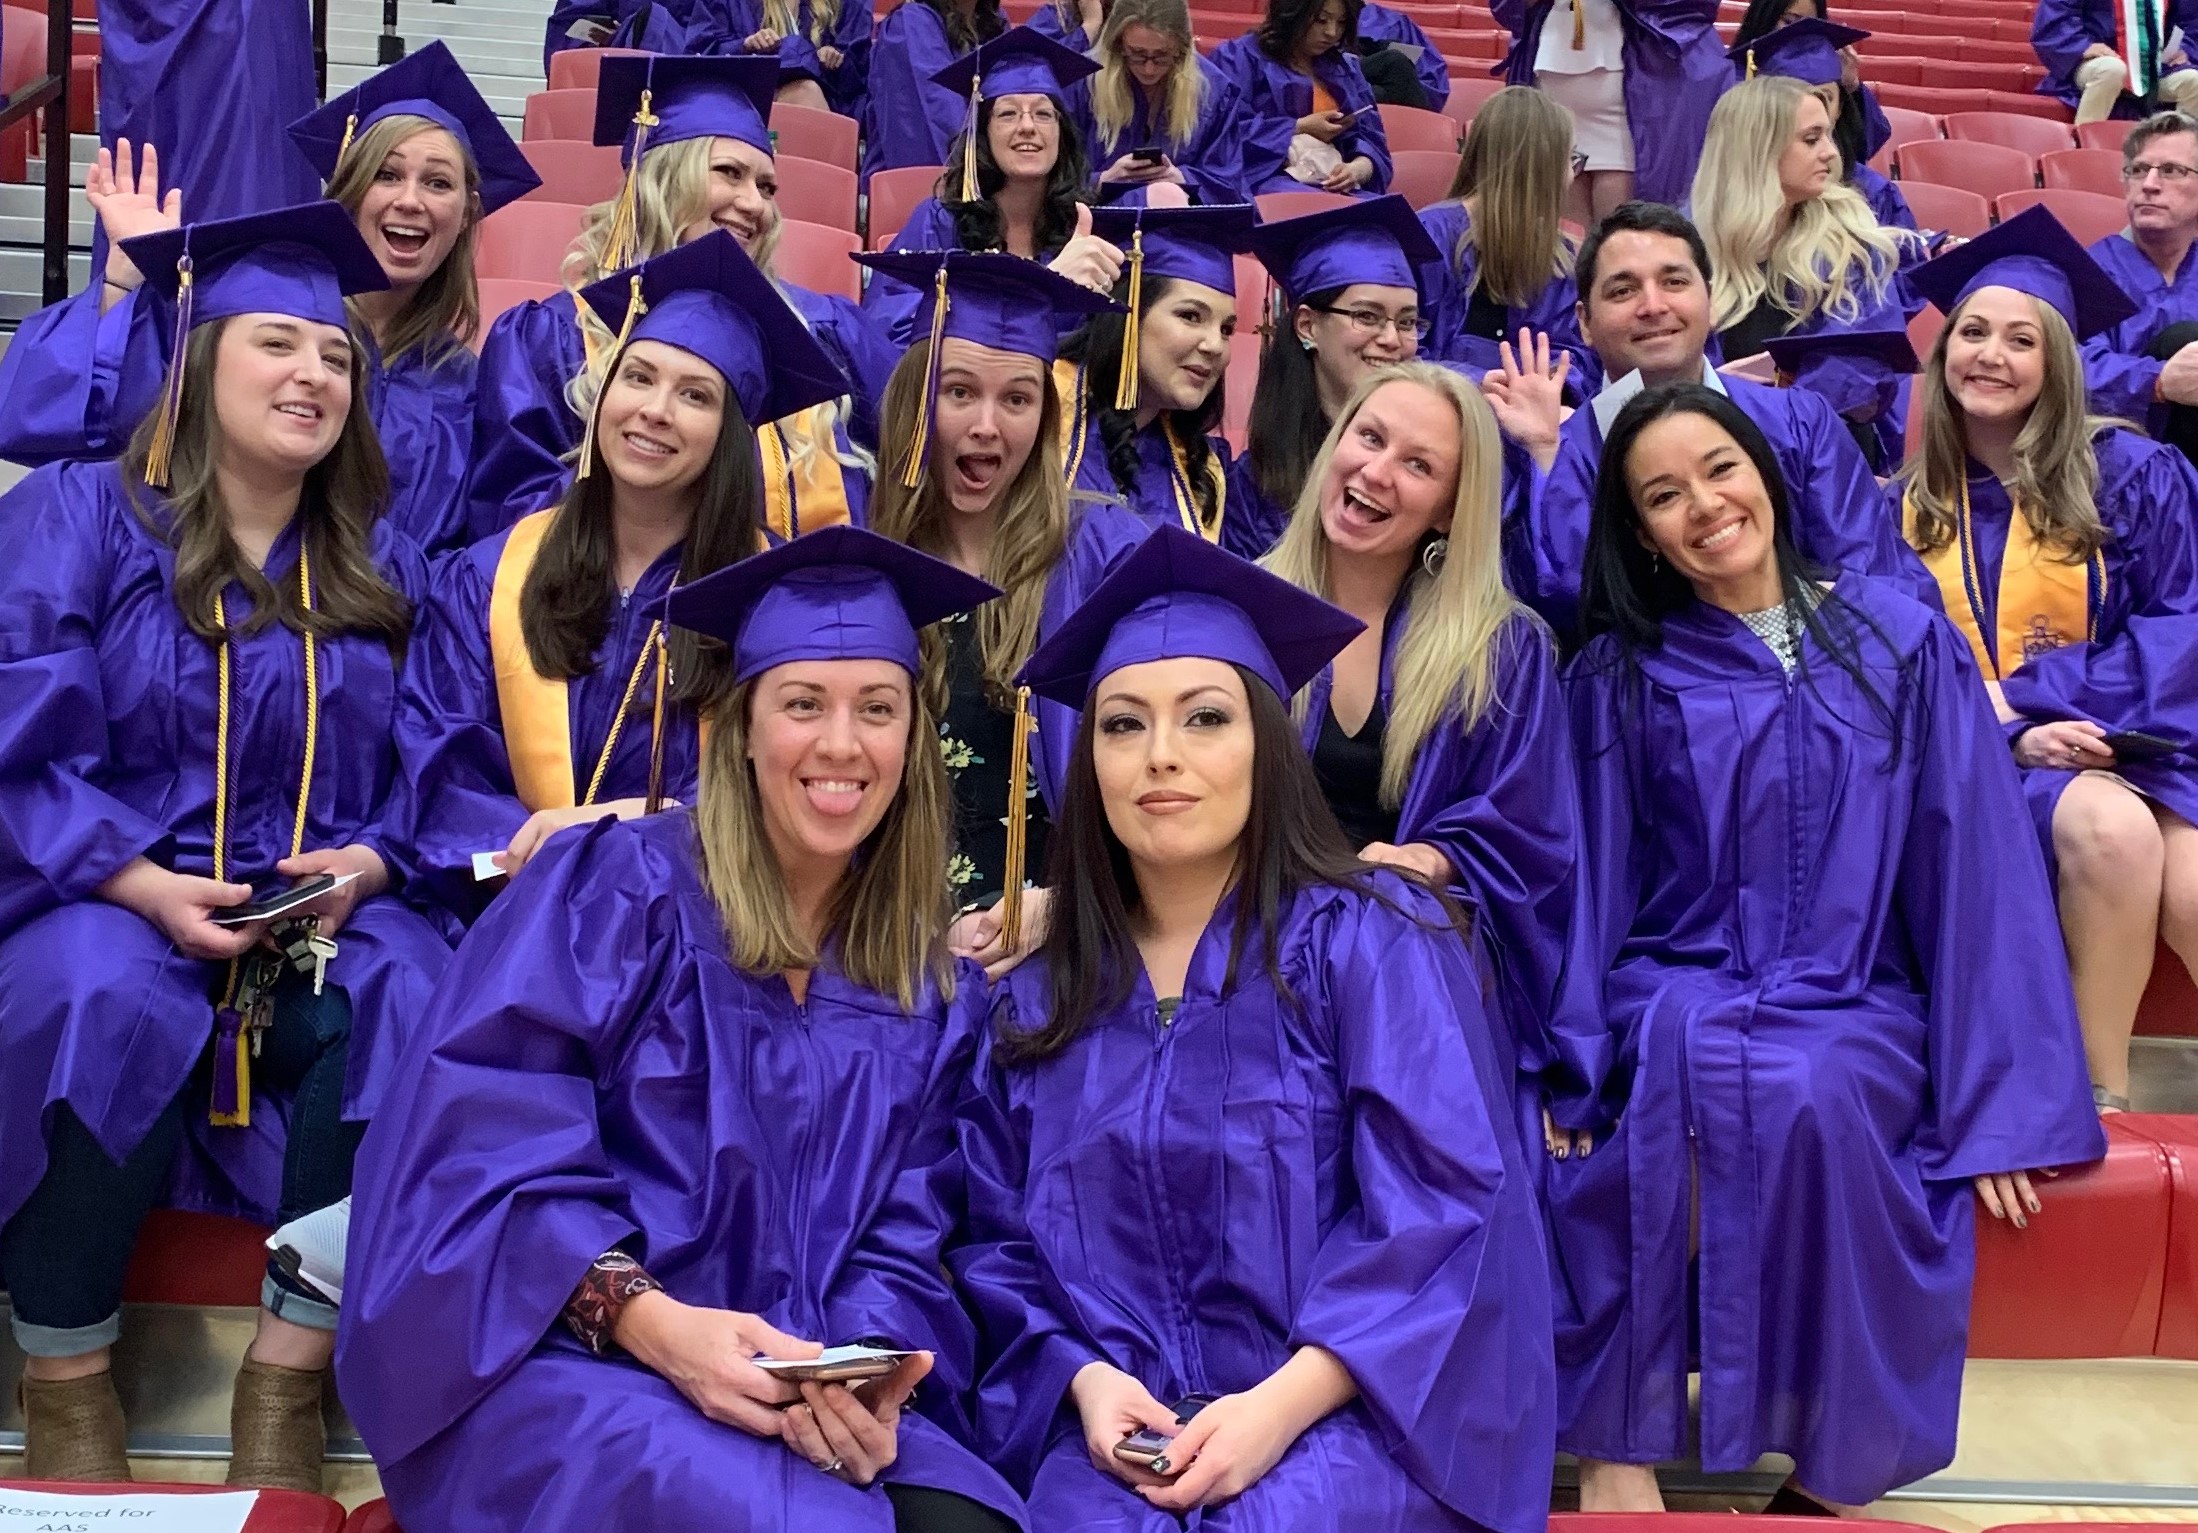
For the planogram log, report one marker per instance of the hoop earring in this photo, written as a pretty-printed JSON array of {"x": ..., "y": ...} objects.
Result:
[{"x": 1432, "y": 556}]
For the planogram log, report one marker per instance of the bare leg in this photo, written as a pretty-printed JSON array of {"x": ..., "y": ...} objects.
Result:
[
  {"x": 289, "y": 1345},
  {"x": 1606, "y": 1487},
  {"x": 804, "y": 92},
  {"x": 2112, "y": 864},
  {"x": 55, "y": 1370},
  {"x": 1607, "y": 189}
]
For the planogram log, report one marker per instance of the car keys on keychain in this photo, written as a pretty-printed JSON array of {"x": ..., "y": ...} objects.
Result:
[
  {"x": 255, "y": 1001},
  {"x": 308, "y": 951}
]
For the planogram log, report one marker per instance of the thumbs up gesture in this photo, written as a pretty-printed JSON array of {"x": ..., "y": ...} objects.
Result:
[{"x": 1087, "y": 258}]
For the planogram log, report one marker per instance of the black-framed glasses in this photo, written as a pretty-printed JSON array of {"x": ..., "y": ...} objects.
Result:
[{"x": 1373, "y": 321}]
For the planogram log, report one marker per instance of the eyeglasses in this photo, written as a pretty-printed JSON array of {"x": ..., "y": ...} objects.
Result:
[
  {"x": 1373, "y": 322},
  {"x": 1043, "y": 114},
  {"x": 2137, "y": 170},
  {"x": 1152, "y": 58}
]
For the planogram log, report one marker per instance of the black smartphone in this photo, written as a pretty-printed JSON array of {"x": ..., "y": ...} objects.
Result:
[
  {"x": 2136, "y": 745},
  {"x": 267, "y": 907},
  {"x": 1148, "y": 156},
  {"x": 1143, "y": 1446}
]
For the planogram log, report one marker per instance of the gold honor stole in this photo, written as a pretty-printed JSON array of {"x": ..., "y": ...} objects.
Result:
[
  {"x": 1068, "y": 381},
  {"x": 2044, "y": 601}
]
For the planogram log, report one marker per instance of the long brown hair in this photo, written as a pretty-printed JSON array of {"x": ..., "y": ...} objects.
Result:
[
  {"x": 445, "y": 310},
  {"x": 344, "y": 494},
  {"x": 1031, "y": 537},
  {"x": 891, "y": 910},
  {"x": 1517, "y": 157}
]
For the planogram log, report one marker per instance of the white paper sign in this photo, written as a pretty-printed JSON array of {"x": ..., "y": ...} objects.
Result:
[
  {"x": 484, "y": 866},
  {"x": 42, "y": 1511}
]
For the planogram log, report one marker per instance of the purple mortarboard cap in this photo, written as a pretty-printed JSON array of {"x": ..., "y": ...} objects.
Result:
[
  {"x": 839, "y": 593},
  {"x": 298, "y": 261},
  {"x": 993, "y": 299},
  {"x": 1806, "y": 50},
  {"x": 1380, "y": 240},
  {"x": 690, "y": 97},
  {"x": 1890, "y": 347},
  {"x": 2031, "y": 253},
  {"x": 429, "y": 84},
  {"x": 1177, "y": 597},
  {"x": 1191, "y": 244},
  {"x": 1022, "y": 61},
  {"x": 709, "y": 300}
]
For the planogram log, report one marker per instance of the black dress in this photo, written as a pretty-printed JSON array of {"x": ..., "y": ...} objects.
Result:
[
  {"x": 1349, "y": 769},
  {"x": 977, "y": 737}
]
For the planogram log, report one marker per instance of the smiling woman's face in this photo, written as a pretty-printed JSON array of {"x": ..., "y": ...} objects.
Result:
[{"x": 1172, "y": 748}]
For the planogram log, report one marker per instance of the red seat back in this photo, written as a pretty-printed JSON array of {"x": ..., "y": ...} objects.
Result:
[
  {"x": 894, "y": 195},
  {"x": 2177, "y": 1137},
  {"x": 374, "y": 1517},
  {"x": 527, "y": 240},
  {"x": 189, "y": 1258},
  {"x": 573, "y": 170},
  {"x": 580, "y": 68},
  {"x": 2104, "y": 135},
  {"x": 1274, "y": 206},
  {"x": 496, "y": 294},
  {"x": 810, "y": 134},
  {"x": 2087, "y": 215},
  {"x": 1947, "y": 208},
  {"x": 2083, "y": 170},
  {"x": 1409, "y": 127},
  {"x": 819, "y": 257},
  {"x": 1423, "y": 176},
  {"x": 1468, "y": 93},
  {"x": 2032, "y": 135},
  {"x": 816, "y": 193},
  {"x": 2170, "y": 1006},
  {"x": 560, "y": 114},
  {"x": 1699, "y": 1522},
  {"x": 1986, "y": 169},
  {"x": 1909, "y": 127}
]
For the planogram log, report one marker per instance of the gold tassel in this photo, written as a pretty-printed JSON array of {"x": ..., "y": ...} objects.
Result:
[
  {"x": 656, "y": 724},
  {"x": 1018, "y": 822},
  {"x": 350, "y": 126},
  {"x": 1579, "y": 26},
  {"x": 919, "y": 445},
  {"x": 160, "y": 452},
  {"x": 635, "y": 308},
  {"x": 1751, "y": 63},
  {"x": 969, "y": 141},
  {"x": 1125, "y": 383},
  {"x": 618, "y": 243}
]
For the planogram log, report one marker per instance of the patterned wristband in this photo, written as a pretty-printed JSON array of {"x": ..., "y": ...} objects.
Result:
[{"x": 613, "y": 1281}]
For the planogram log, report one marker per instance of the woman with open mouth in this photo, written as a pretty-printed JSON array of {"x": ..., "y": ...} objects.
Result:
[
  {"x": 1014, "y": 178},
  {"x": 2064, "y": 551},
  {"x": 704, "y": 164},
  {"x": 199, "y": 649},
  {"x": 686, "y": 1106},
  {"x": 981, "y": 486},
  {"x": 1241, "y": 1171},
  {"x": 1142, "y": 395},
  {"x": 1837, "y": 1002},
  {"x": 1438, "y": 734},
  {"x": 418, "y": 159}
]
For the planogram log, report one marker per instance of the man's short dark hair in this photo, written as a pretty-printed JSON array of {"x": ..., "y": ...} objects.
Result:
[{"x": 1641, "y": 218}]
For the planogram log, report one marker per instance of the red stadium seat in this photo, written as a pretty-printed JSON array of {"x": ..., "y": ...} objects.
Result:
[
  {"x": 580, "y": 68},
  {"x": 2087, "y": 1278},
  {"x": 560, "y": 114},
  {"x": 1279, "y": 205},
  {"x": 2170, "y": 1006},
  {"x": 1700, "y": 1522},
  {"x": 815, "y": 192},
  {"x": 2032, "y": 135},
  {"x": 818, "y": 257},
  {"x": 1908, "y": 128},
  {"x": 2177, "y": 1137},
  {"x": 527, "y": 239},
  {"x": 2083, "y": 170},
  {"x": 1467, "y": 95},
  {"x": 1242, "y": 374},
  {"x": 894, "y": 195},
  {"x": 573, "y": 170},
  {"x": 1947, "y": 209},
  {"x": 374, "y": 1517},
  {"x": 810, "y": 134},
  {"x": 2087, "y": 215},
  {"x": 2104, "y": 135},
  {"x": 274, "y": 1511},
  {"x": 1409, "y": 127},
  {"x": 496, "y": 294},
  {"x": 1986, "y": 169},
  {"x": 188, "y": 1258},
  {"x": 1423, "y": 176}
]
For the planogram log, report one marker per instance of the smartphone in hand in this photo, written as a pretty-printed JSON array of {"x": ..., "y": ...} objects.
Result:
[{"x": 1143, "y": 1446}]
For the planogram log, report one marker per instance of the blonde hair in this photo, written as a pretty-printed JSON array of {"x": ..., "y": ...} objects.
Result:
[
  {"x": 1028, "y": 543},
  {"x": 1825, "y": 256},
  {"x": 2056, "y": 482},
  {"x": 445, "y": 310},
  {"x": 892, "y": 907},
  {"x": 1446, "y": 660},
  {"x": 672, "y": 195},
  {"x": 1113, "y": 92},
  {"x": 784, "y": 18},
  {"x": 1518, "y": 156}
]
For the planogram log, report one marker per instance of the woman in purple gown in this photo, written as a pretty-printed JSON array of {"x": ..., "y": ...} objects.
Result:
[
  {"x": 419, "y": 159},
  {"x": 1838, "y": 1005},
  {"x": 1240, "y": 1166},
  {"x": 1861, "y": 125},
  {"x": 199, "y": 646},
  {"x": 689, "y": 1089},
  {"x": 542, "y": 690},
  {"x": 822, "y": 46},
  {"x": 1158, "y": 110},
  {"x": 908, "y": 117},
  {"x": 705, "y": 164},
  {"x": 1820, "y": 55},
  {"x": 1438, "y": 735},
  {"x": 1308, "y": 119},
  {"x": 2078, "y": 606}
]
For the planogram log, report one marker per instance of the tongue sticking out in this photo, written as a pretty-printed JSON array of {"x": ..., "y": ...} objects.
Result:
[{"x": 835, "y": 799}]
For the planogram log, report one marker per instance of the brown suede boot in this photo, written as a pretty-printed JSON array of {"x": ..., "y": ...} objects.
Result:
[
  {"x": 73, "y": 1429},
  {"x": 276, "y": 1438}
]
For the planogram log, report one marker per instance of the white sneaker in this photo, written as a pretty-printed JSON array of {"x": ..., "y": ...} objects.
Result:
[{"x": 311, "y": 1248}]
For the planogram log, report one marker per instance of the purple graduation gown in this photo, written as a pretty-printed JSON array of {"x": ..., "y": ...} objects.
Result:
[
  {"x": 75, "y": 383},
  {"x": 1837, "y": 984},
  {"x": 1675, "y": 69},
  {"x": 2138, "y": 673},
  {"x": 2060, "y": 30},
  {"x": 1839, "y": 515},
  {"x": 2119, "y": 373},
  {"x": 1446, "y": 299},
  {"x": 1866, "y": 386},
  {"x": 108, "y": 721},
  {"x": 891, "y": 306},
  {"x": 1380, "y": 24},
  {"x": 1065, "y": 28},
  {"x": 458, "y": 795},
  {"x": 1153, "y": 498},
  {"x": 1211, "y": 158},
  {"x": 523, "y": 427},
  {"x": 1274, "y": 96},
  {"x": 723, "y": 27},
  {"x": 1501, "y": 801},
  {"x": 908, "y": 119},
  {"x": 1193, "y": 1201},
  {"x": 595, "y": 1073}
]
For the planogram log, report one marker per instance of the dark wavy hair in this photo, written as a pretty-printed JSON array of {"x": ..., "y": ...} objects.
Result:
[
  {"x": 978, "y": 225},
  {"x": 1767, "y": 16},
  {"x": 1287, "y": 21},
  {"x": 1291, "y": 842},
  {"x": 1287, "y": 424},
  {"x": 983, "y": 22},
  {"x": 1628, "y": 591},
  {"x": 1097, "y": 346}
]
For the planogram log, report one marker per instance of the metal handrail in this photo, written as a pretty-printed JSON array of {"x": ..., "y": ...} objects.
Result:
[{"x": 51, "y": 95}]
